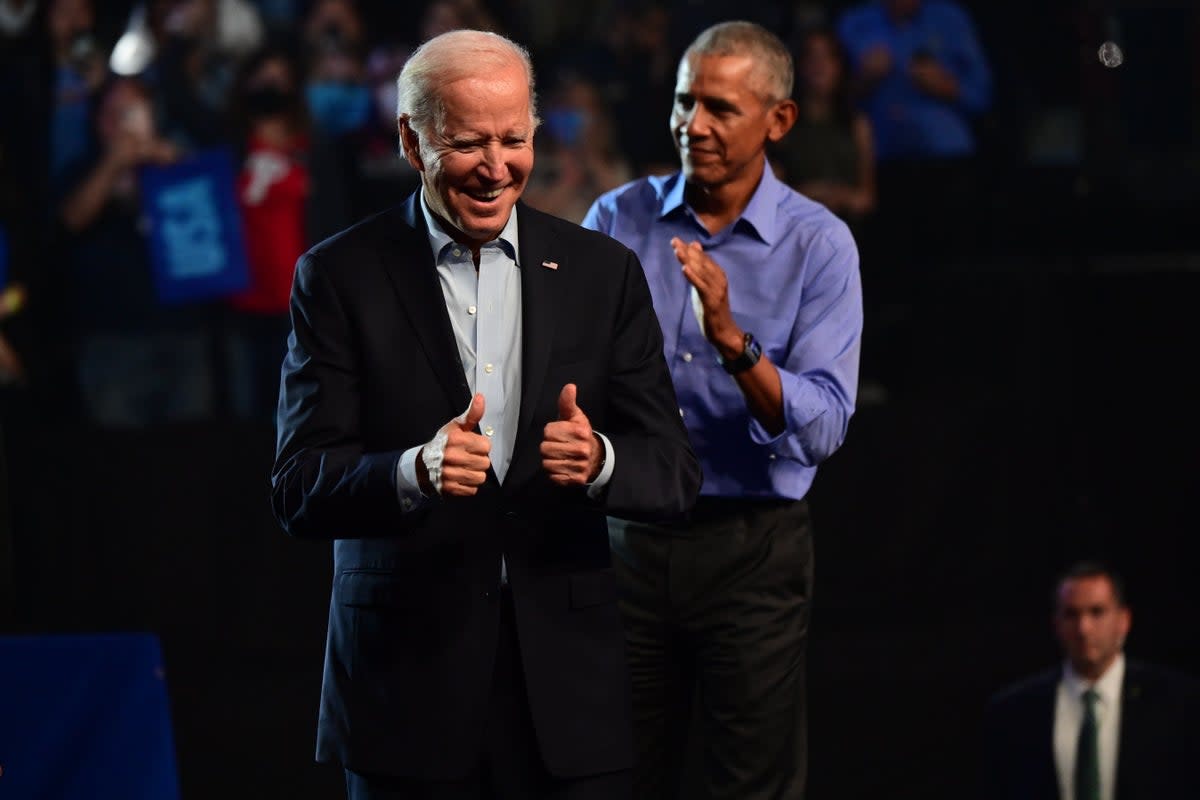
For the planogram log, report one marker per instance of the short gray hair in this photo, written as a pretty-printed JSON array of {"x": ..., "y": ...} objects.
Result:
[
  {"x": 772, "y": 58},
  {"x": 447, "y": 58}
]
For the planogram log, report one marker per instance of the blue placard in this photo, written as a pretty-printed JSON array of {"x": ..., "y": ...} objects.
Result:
[
  {"x": 85, "y": 717},
  {"x": 195, "y": 233}
]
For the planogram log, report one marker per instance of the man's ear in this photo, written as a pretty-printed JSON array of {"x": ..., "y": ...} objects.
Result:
[
  {"x": 410, "y": 143},
  {"x": 782, "y": 117}
]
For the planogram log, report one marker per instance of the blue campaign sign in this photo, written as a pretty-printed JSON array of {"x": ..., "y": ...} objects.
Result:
[{"x": 195, "y": 235}]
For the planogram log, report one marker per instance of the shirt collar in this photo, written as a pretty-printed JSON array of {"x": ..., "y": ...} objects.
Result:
[
  {"x": 440, "y": 241},
  {"x": 759, "y": 213},
  {"x": 1108, "y": 687}
]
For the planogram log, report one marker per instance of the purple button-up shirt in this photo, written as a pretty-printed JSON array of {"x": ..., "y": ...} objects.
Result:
[{"x": 794, "y": 283}]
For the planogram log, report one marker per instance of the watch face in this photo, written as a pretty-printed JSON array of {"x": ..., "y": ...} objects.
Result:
[{"x": 749, "y": 356}]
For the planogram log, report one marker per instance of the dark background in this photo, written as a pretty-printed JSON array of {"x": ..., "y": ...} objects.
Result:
[{"x": 1040, "y": 409}]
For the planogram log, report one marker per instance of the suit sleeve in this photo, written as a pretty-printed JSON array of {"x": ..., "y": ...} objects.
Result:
[
  {"x": 657, "y": 475},
  {"x": 323, "y": 484}
]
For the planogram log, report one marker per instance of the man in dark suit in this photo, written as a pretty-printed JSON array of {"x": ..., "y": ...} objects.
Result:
[
  {"x": 475, "y": 647},
  {"x": 1098, "y": 727}
]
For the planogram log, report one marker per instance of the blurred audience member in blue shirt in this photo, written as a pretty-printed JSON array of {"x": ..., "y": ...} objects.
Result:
[
  {"x": 717, "y": 609},
  {"x": 922, "y": 78},
  {"x": 921, "y": 73}
]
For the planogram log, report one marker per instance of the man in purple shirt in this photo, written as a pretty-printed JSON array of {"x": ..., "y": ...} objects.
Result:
[{"x": 757, "y": 290}]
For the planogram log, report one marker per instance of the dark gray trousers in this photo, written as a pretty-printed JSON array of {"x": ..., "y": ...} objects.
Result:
[{"x": 716, "y": 616}]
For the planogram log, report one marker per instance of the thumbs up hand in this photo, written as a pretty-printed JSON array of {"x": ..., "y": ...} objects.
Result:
[
  {"x": 455, "y": 462},
  {"x": 571, "y": 453}
]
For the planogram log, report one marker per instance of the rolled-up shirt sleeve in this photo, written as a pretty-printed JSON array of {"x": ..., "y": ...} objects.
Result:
[{"x": 819, "y": 373}]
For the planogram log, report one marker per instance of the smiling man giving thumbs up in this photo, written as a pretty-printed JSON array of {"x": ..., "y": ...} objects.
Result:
[{"x": 475, "y": 647}]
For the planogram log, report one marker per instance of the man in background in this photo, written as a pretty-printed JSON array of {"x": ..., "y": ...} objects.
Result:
[{"x": 1099, "y": 727}]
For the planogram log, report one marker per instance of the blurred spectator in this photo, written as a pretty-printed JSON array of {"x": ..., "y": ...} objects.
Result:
[
  {"x": 577, "y": 158},
  {"x": 17, "y": 18},
  {"x": 339, "y": 99},
  {"x": 1099, "y": 726},
  {"x": 283, "y": 214},
  {"x": 921, "y": 73},
  {"x": 79, "y": 69},
  {"x": 828, "y": 155},
  {"x": 921, "y": 76},
  {"x": 635, "y": 71},
  {"x": 193, "y": 68},
  {"x": 278, "y": 16},
  {"x": 137, "y": 362}
]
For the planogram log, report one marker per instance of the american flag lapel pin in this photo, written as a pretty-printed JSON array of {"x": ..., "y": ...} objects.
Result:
[{"x": 550, "y": 264}]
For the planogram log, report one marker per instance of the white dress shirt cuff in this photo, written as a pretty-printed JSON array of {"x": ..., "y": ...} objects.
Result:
[
  {"x": 408, "y": 489},
  {"x": 597, "y": 486}
]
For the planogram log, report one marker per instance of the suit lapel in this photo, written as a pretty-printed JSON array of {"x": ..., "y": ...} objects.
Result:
[
  {"x": 540, "y": 285},
  {"x": 1133, "y": 727},
  {"x": 414, "y": 277}
]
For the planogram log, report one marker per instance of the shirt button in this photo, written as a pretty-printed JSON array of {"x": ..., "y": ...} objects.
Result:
[
  {"x": 406, "y": 504},
  {"x": 489, "y": 430},
  {"x": 470, "y": 309},
  {"x": 489, "y": 369},
  {"x": 771, "y": 457},
  {"x": 687, "y": 357},
  {"x": 457, "y": 252},
  {"x": 681, "y": 414}
]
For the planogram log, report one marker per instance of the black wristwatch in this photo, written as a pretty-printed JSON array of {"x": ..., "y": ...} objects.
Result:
[{"x": 751, "y": 351}]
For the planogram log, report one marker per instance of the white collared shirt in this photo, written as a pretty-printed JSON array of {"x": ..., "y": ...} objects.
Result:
[{"x": 1068, "y": 716}]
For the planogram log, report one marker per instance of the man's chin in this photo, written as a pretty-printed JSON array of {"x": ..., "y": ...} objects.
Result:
[{"x": 700, "y": 176}]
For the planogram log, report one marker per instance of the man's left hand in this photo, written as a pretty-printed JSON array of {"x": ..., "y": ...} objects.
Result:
[
  {"x": 713, "y": 288},
  {"x": 571, "y": 453}
]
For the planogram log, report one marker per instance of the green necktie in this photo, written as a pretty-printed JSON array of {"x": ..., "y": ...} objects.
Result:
[{"x": 1087, "y": 753}]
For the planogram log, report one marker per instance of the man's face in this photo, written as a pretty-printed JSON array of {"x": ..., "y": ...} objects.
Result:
[
  {"x": 1090, "y": 624},
  {"x": 475, "y": 168},
  {"x": 721, "y": 121}
]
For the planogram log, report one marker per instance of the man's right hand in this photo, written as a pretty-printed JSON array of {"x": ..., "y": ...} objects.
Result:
[{"x": 465, "y": 459}]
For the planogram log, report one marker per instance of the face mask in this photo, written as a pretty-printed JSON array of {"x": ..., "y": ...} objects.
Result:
[
  {"x": 267, "y": 101},
  {"x": 339, "y": 108}
]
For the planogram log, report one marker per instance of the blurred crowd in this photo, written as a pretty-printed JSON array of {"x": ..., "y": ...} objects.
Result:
[{"x": 301, "y": 94}]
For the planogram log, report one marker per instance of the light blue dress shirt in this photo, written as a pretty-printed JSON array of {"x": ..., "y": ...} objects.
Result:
[
  {"x": 485, "y": 314},
  {"x": 794, "y": 283}
]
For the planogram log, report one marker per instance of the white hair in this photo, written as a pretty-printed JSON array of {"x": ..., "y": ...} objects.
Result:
[{"x": 447, "y": 58}]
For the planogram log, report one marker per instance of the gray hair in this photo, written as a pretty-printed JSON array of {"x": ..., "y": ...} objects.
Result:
[
  {"x": 447, "y": 58},
  {"x": 773, "y": 61}
]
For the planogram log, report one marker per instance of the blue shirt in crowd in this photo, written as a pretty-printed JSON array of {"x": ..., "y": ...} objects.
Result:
[
  {"x": 907, "y": 122},
  {"x": 794, "y": 283}
]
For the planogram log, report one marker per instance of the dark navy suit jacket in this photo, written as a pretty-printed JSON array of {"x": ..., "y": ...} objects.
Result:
[
  {"x": 372, "y": 369},
  {"x": 1158, "y": 755}
]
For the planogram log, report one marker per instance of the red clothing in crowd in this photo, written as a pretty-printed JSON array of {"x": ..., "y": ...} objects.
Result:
[{"x": 273, "y": 190}]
